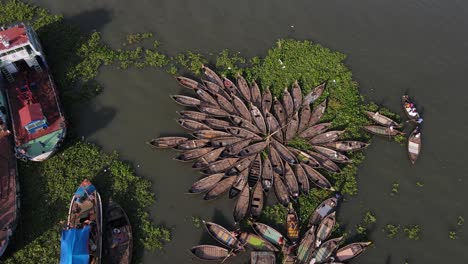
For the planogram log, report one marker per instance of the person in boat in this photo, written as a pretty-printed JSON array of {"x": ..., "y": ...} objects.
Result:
[
  {"x": 417, "y": 132},
  {"x": 420, "y": 120},
  {"x": 391, "y": 127},
  {"x": 413, "y": 112}
]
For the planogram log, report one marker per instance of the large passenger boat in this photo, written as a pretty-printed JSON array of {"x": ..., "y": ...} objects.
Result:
[
  {"x": 37, "y": 119},
  {"x": 9, "y": 188}
]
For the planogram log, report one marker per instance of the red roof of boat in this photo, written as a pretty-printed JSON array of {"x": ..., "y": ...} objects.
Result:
[
  {"x": 30, "y": 113},
  {"x": 15, "y": 35}
]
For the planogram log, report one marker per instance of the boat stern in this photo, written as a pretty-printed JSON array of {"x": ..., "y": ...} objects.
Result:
[{"x": 42, "y": 148}]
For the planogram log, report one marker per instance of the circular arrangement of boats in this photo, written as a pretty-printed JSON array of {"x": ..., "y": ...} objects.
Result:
[
  {"x": 241, "y": 141},
  {"x": 314, "y": 246}
]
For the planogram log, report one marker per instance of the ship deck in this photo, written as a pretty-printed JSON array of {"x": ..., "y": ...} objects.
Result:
[
  {"x": 8, "y": 203},
  {"x": 43, "y": 92}
]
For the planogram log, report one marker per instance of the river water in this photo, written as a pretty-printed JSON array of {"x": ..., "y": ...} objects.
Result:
[{"x": 393, "y": 47}]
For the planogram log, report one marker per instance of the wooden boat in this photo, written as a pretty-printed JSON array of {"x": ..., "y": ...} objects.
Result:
[
  {"x": 239, "y": 185},
  {"x": 224, "y": 141},
  {"x": 291, "y": 128},
  {"x": 292, "y": 224},
  {"x": 220, "y": 188},
  {"x": 243, "y": 88},
  {"x": 326, "y": 137},
  {"x": 187, "y": 82},
  {"x": 317, "y": 113},
  {"x": 291, "y": 181},
  {"x": 255, "y": 171},
  {"x": 192, "y": 125},
  {"x": 258, "y": 119},
  {"x": 276, "y": 162},
  {"x": 325, "y": 162},
  {"x": 289, "y": 254},
  {"x": 253, "y": 149},
  {"x": 206, "y": 97},
  {"x": 194, "y": 115},
  {"x": 210, "y": 134},
  {"x": 351, "y": 251},
  {"x": 193, "y": 144},
  {"x": 119, "y": 235},
  {"x": 241, "y": 108},
  {"x": 414, "y": 145},
  {"x": 210, "y": 253},
  {"x": 281, "y": 191},
  {"x": 192, "y": 154},
  {"x": 213, "y": 88},
  {"x": 225, "y": 104},
  {"x": 256, "y": 95},
  {"x": 266, "y": 101},
  {"x": 304, "y": 158},
  {"x": 284, "y": 152},
  {"x": 325, "y": 228},
  {"x": 262, "y": 257},
  {"x": 406, "y": 100},
  {"x": 186, "y": 100},
  {"x": 324, "y": 252},
  {"x": 325, "y": 208},
  {"x": 267, "y": 174},
  {"x": 9, "y": 185},
  {"x": 217, "y": 123},
  {"x": 205, "y": 184},
  {"x": 269, "y": 233},
  {"x": 256, "y": 204},
  {"x": 296, "y": 93},
  {"x": 274, "y": 127},
  {"x": 167, "y": 142},
  {"x": 243, "y": 133},
  {"x": 217, "y": 112},
  {"x": 382, "y": 131},
  {"x": 242, "y": 205},
  {"x": 332, "y": 154},
  {"x": 212, "y": 76},
  {"x": 256, "y": 242},
  {"x": 316, "y": 178},
  {"x": 314, "y": 130},
  {"x": 244, "y": 123},
  {"x": 84, "y": 225},
  {"x": 288, "y": 103},
  {"x": 231, "y": 87},
  {"x": 302, "y": 179},
  {"x": 314, "y": 94},
  {"x": 304, "y": 118},
  {"x": 346, "y": 145},
  {"x": 208, "y": 158},
  {"x": 220, "y": 166},
  {"x": 223, "y": 236},
  {"x": 234, "y": 149},
  {"x": 241, "y": 165},
  {"x": 306, "y": 247},
  {"x": 280, "y": 112},
  {"x": 381, "y": 119}
]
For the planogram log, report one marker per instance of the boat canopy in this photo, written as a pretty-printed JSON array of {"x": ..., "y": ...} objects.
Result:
[
  {"x": 74, "y": 246},
  {"x": 86, "y": 188},
  {"x": 32, "y": 118}
]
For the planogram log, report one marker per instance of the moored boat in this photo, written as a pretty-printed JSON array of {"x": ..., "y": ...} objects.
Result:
[
  {"x": 262, "y": 257},
  {"x": 37, "y": 119},
  {"x": 193, "y": 144},
  {"x": 381, "y": 119},
  {"x": 241, "y": 165},
  {"x": 244, "y": 123},
  {"x": 346, "y": 145},
  {"x": 314, "y": 94},
  {"x": 192, "y": 154},
  {"x": 267, "y": 174},
  {"x": 296, "y": 96},
  {"x": 241, "y": 108},
  {"x": 291, "y": 181},
  {"x": 284, "y": 152},
  {"x": 281, "y": 191},
  {"x": 217, "y": 123},
  {"x": 220, "y": 166},
  {"x": 288, "y": 103},
  {"x": 186, "y": 100},
  {"x": 83, "y": 235},
  {"x": 409, "y": 108},
  {"x": 197, "y": 116},
  {"x": 212, "y": 76},
  {"x": 280, "y": 112},
  {"x": 243, "y": 133},
  {"x": 167, "y": 142},
  {"x": 211, "y": 253},
  {"x": 326, "y": 137},
  {"x": 292, "y": 224},
  {"x": 256, "y": 203},
  {"x": 239, "y": 184},
  {"x": 304, "y": 118},
  {"x": 317, "y": 178},
  {"x": 317, "y": 113},
  {"x": 314, "y": 130},
  {"x": 351, "y": 251},
  {"x": 119, "y": 236},
  {"x": 224, "y": 141},
  {"x": 324, "y": 252},
  {"x": 258, "y": 119},
  {"x": 256, "y": 95},
  {"x": 255, "y": 170},
  {"x": 306, "y": 246},
  {"x": 325, "y": 208},
  {"x": 192, "y": 125},
  {"x": 210, "y": 134},
  {"x": 269, "y": 233},
  {"x": 382, "y": 131},
  {"x": 253, "y": 149},
  {"x": 325, "y": 162},
  {"x": 292, "y": 127},
  {"x": 274, "y": 127},
  {"x": 219, "y": 188},
  {"x": 332, "y": 154},
  {"x": 266, "y": 101},
  {"x": 302, "y": 179},
  {"x": 414, "y": 145},
  {"x": 223, "y": 236},
  {"x": 325, "y": 228},
  {"x": 256, "y": 242},
  {"x": 242, "y": 205},
  {"x": 243, "y": 88},
  {"x": 187, "y": 82},
  {"x": 206, "y": 183},
  {"x": 208, "y": 158}
]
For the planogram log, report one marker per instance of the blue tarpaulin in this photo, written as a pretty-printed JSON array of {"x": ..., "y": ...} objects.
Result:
[
  {"x": 74, "y": 246},
  {"x": 84, "y": 190}
]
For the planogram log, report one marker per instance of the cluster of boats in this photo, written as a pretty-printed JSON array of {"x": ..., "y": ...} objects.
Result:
[
  {"x": 32, "y": 124},
  {"x": 314, "y": 247},
  {"x": 241, "y": 141},
  {"x": 388, "y": 127},
  {"x": 82, "y": 238}
]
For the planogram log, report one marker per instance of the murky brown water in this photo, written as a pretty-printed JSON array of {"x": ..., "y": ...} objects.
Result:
[{"x": 393, "y": 46}]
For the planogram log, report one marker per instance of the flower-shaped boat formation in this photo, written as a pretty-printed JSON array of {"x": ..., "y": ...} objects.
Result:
[
  {"x": 314, "y": 247},
  {"x": 241, "y": 141}
]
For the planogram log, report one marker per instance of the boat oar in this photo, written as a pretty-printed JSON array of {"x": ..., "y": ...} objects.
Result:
[{"x": 229, "y": 254}]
